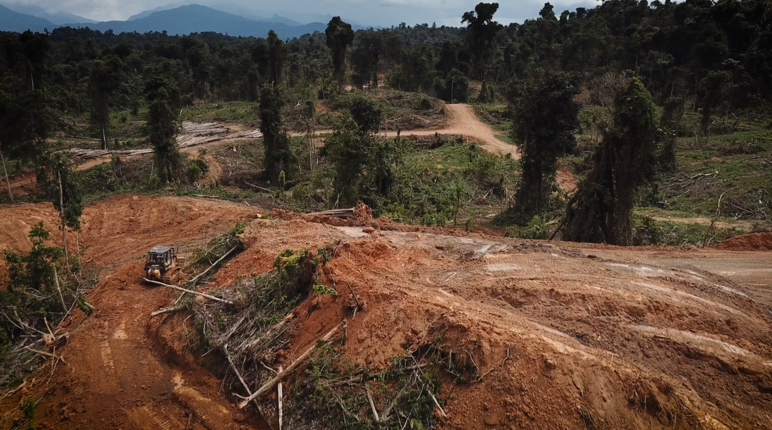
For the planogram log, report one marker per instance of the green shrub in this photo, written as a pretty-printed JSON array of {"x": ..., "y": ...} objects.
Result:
[
  {"x": 196, "y": 170},
  {"x": 536, "y": 229}
]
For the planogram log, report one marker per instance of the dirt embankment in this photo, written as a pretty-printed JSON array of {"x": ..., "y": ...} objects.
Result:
[
  {"x": 563, "y": 340},
  {"x": 117, "y": 374},
  {"x": 561, "y": 335},
  {"x": 748, "y": 242}
]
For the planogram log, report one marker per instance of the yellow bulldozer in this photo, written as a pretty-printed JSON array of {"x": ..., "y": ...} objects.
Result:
[{"x": 162, "y": 264}]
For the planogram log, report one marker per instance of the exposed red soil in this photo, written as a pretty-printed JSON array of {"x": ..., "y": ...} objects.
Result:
[
  {"x": 118, "y": 373},
  {"x": 564, "y": 335},
  {"x": 626, "y": 345},
  {"x": 747, "y": 242}
]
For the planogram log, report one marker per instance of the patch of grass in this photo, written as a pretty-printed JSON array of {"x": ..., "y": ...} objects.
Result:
[{"x": 238, "y": 111}]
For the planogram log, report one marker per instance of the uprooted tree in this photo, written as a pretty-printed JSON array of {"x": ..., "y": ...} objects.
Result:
[
  {"x": 39, "y": 292},
  {"x": 546, "y": 117},
  {"x": 601, "y": 210}
]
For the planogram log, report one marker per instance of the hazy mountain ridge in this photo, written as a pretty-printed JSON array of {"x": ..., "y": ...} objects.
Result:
[
  {"x": 57, "y": 18},
  {"x": 20, "y": 22},
  {"x": 180, "y": 20}
]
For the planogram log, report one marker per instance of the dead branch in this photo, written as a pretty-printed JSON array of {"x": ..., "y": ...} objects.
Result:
[
  {"x": 280, "y": 400},
  {"x": 47, "y": 354},
  {"x": 217, "y": 299},
  {"x": 279, "y": 376},
  {"x": 59, "y": 289},
  {"x": 10, "y": 393},
  {"x": 243, "y": 383},
  {"x": 372, "y": 404},
  {"x": 230, "y": 332},
  {"x": 166, "y": 311},
  {"x": 277, "y": 326},
  {"x": 192, "y": 281},
  {"x": 713, "y": 222},
  {"x": 491, "y": 370},
  {"x": 260, "y": 188}
]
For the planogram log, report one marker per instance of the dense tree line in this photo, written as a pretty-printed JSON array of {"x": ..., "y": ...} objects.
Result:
[
  {"x": 715, "y": 54},
  {"x": 708, "y": 57}
]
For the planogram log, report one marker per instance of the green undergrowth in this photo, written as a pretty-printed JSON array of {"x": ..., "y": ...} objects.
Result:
[
  {"x": 335, "y": 393},
  {"x": 451, "y": 183},
  {"x": 735, "y": 162},
  {"x": 235, "y": 111}
]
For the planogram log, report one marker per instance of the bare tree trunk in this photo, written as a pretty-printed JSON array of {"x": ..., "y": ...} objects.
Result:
[
  {"x": 64, "y": 225},
  {"x": 104, "y": 138},
  {"x": 7, "y": 181}
]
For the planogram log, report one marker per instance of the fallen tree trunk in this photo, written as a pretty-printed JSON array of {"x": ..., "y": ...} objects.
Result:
[
  {"x": 188, "y": 291},
  {"x": 268, "y": 386},
  {"x": 213, "y": 264}
]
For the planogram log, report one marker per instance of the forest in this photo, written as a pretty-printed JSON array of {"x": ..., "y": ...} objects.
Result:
[{"x": 612, "y": 92}]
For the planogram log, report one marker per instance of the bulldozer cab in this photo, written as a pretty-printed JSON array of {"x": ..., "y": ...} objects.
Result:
[
  {"x": 161, "y": 263},
  {"x": 161, "y": 256}
]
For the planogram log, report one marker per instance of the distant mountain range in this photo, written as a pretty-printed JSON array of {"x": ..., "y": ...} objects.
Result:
[
  {"x": 57, "y": 18},
  {"x": 175, "y": 20}
]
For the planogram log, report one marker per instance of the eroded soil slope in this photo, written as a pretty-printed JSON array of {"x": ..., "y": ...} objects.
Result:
[
  {"x": 564, "y": 338},
  {"x": 116, "y": 375},
  {"x": 563, "y": 335}
]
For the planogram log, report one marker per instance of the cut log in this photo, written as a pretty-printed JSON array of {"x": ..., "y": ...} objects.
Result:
[
  {"x": 217, "y": 299},
  {"x": 268, "y": 386}
]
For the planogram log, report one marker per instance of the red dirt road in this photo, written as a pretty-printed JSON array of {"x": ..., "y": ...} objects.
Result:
[{"x": 118, "y": 373}]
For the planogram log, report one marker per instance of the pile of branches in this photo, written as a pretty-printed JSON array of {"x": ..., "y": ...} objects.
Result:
[{"x": 253, "y": 325}]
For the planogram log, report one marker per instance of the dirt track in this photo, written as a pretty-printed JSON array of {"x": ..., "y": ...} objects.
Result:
[
  {"x": 117, "y": 375},
  {"x": 626, "y": 338},
  {"x": 463, "y": 121}
]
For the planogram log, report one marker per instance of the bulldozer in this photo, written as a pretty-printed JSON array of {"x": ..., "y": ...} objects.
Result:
[{"x": 161, "y": 264}]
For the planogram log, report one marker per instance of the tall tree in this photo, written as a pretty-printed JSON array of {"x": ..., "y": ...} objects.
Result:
[
  {"x": 601, "y": 209},
  {"x": 163, "y": 98},
  {"x": 277, "y": 56},
  {"x": 672, "y": 114},
  {"x": 278, "y": 156},
  {"x": 361, "y": 162},
  {"x": 103, "y": 80},
  {"x": 35, "y": 48},
  {"x": 712, "y": 90},
  {"x": 339, "y": 37},
  {"x": 482, "y": 29},
  {"x": 367, "y": 54},
  {"x": 55, "y": 178},
  {"x": 545, "y": 118}
]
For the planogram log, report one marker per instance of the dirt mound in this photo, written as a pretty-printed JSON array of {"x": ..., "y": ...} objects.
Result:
[
  {"x": 747, "y": 242},
  {"x": 564, "y": 341},
  {"x": 545, "y": 335}
]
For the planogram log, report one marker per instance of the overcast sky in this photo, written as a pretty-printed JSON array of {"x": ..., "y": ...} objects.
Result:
[{"x": 368, "y": 12}]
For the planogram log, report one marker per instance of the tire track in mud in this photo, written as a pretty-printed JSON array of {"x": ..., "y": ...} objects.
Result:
[{"x": 116, "y": 375}]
